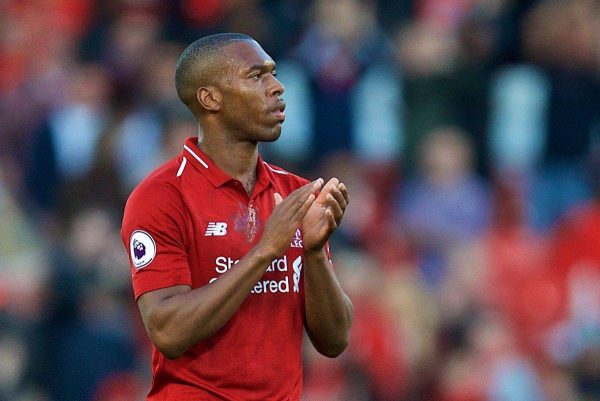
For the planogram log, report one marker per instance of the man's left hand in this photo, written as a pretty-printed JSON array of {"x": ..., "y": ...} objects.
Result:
[{"x": 324, "y": 215}]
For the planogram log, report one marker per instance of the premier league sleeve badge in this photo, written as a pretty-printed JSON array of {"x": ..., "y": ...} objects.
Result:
[{"x": 142, "y": 249}]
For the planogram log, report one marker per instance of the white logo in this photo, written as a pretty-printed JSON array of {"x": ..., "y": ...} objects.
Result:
[
  {"x": 142, "y": 249},
  {"x": 216, "y": 229},
  {"x": 297, "y": 266},
  {"x": 297, "y": 240}
]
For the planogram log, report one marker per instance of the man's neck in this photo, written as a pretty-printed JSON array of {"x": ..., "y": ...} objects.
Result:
[{"x": 237, "y": 159}]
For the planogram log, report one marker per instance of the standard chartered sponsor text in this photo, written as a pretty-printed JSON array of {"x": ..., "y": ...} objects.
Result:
[{"x": 276, "y": 285}]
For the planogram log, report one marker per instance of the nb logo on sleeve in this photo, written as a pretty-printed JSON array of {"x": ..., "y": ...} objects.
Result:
[{"x": 216, "y": 229}]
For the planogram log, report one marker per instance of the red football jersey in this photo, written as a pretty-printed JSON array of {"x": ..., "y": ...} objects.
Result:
[{"x": 189, "y": 223}]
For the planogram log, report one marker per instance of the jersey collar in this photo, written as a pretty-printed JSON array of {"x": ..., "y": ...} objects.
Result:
[{"x": 214, "y": 174}]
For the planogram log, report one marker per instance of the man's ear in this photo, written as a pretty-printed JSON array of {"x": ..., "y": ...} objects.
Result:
[{"x": 209, "y": 98}]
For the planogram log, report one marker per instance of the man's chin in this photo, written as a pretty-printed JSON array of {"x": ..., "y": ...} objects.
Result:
[{"x": 274, "y": 135}]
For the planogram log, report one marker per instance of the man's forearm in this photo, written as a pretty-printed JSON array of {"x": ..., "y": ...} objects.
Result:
[
  {"x": 178, "y": 322},
  {"x": 328, "y": 309}
]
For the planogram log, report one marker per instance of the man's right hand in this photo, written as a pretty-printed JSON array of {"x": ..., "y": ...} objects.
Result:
[{"x": 287, "y": 217}]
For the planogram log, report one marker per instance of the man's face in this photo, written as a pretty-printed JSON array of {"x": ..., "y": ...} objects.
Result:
[{"x": 252, "y": 107}]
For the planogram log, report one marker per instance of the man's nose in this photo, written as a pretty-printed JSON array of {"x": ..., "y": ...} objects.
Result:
[{"x": 276, "y": 88}]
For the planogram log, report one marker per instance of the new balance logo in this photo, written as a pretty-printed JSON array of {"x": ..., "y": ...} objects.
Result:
[{"x": 216, "y": 229}]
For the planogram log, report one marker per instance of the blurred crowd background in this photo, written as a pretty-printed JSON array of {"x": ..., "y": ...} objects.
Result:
[{"x": 467, "y": 131}]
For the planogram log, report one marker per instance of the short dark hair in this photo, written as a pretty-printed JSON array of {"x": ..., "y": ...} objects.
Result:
[{"x": 196, "y": 65}]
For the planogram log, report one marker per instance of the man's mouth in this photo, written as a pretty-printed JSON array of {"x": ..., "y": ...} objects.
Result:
[{"x": 279, "y": 111}]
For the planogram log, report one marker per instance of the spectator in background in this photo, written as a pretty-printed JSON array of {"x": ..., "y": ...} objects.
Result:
[
  {"x": 22, "y": 276},
  {"x": 518, "y": 281},
  {"x": 63, "y": 150},
  {"x": 446, "y": 55},
  {"x": 85, "y": 312},
  {"x": 342, "y": 41},
  {"x": 427, "y": 57},
  {"x": 575, "y": 340},
  {"x": 37, "y": 52},
  {"x": 445, "y": 205},
  {"x": 562, "y": 38},
  {"x": 131, "y": 36}
]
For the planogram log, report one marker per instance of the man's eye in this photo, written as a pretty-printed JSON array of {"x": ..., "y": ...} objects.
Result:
[
  {"x": 274, "y": 73},
  {"x": 256, "y": 76}
]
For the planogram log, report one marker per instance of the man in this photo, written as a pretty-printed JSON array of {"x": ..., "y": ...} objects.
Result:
[{"x": 228, "y": 253}]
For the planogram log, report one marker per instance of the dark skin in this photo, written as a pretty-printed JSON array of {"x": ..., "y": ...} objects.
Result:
[{"x": 242, "y": 108}]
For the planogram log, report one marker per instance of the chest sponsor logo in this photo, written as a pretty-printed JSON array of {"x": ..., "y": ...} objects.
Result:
[
  {"x": 297, "y": 240},
  {"x": 216, "y": 229},
  {"x": 280, "y": 284},
  {"x": 142, "y": 248}
]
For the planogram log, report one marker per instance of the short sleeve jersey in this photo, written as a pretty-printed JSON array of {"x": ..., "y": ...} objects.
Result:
[{"x": 188, "y": 223}]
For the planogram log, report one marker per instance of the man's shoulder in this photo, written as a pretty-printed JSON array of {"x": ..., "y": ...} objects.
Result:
[{"x": 161, "y": 185}]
